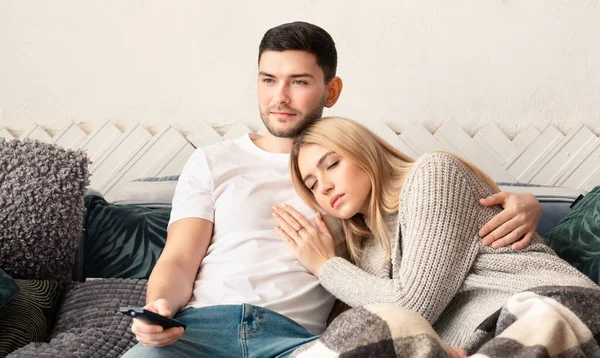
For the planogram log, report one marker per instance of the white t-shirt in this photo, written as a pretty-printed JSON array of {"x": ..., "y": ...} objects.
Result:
[{"x": 235, "y": 184}]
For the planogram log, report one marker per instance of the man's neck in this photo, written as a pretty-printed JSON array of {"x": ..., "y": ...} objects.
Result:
[{"x": 272, "y": 144}]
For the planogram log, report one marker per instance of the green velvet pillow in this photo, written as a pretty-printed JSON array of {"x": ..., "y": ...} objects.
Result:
[
  {"x": 576, "y": 238},
  {"x": 8, "y": 288},
  {"x": 27, "y": 317},
  {"x": 122, "y": 241}
]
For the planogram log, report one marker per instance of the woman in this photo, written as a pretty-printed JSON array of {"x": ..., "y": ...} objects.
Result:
[{"x": 411, "y": 231}]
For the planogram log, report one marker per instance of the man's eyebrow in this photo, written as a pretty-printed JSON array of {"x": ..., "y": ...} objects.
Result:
[
  {"x": 296, "y": 75},
  {"x": 302, "y": 75},
  {"x": 263, "y": 73},
  {"x": 323, "y": 157}
]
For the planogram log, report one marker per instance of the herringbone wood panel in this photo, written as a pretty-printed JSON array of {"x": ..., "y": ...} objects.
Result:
[{"x": 539, "y": 157}]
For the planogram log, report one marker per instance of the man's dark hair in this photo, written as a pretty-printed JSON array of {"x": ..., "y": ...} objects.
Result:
[{"x": 304, "y": 37}]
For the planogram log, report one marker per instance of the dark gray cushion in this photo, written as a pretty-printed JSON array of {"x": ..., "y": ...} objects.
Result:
[
  {"x": 88, "y": 322},
  {"x": 27, "y": 317},
  {"x": 553, "y": 211},
  {"x": 41, "y": 208}
]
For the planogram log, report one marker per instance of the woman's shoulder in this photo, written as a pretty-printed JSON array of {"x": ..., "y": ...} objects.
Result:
[
  {"x": 446, "y": 173},
  {"x": 441, "y": 172},
  {"x": 438, "y": 165},
  {"x": 437, "y": 158},
  {"x": 443, "y": 180}
]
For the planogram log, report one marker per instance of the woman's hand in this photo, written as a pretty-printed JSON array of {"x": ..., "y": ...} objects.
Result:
[
  {"x": 311, "y": 246},
  {"x": 454, "y": 352}
]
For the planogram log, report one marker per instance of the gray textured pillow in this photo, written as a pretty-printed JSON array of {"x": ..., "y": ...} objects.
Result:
[
  {"x": 41, "y": 208},
  {"x": 88, "y": 323}
]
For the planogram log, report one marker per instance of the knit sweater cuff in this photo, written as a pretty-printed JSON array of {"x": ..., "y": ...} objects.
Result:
[
  {"x": 339, "y": 277},
  {"x": 329, "y": 269}
]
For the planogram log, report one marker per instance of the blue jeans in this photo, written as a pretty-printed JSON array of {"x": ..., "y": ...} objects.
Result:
[{"x": 231, "y": 331}]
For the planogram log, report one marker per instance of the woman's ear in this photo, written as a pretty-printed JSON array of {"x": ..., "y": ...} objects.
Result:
[{"x": 334, "y": 89}]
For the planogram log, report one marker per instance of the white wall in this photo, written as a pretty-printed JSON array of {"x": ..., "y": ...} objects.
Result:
[{"x": 513, "y": 63}]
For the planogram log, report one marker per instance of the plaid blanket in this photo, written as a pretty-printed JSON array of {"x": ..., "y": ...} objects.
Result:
[
  {"x": 542, "y": 322},
  {"x": 545, "y": 321}
]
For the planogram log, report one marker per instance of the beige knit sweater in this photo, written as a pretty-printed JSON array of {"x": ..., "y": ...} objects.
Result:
[{"x": 440, "y": 269}]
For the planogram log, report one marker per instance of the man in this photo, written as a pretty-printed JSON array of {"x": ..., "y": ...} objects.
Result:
[{"x": 223, "y": 271}]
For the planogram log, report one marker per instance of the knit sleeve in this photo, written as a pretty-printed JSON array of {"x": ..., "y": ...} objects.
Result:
[{"x": 439, "y": 216}]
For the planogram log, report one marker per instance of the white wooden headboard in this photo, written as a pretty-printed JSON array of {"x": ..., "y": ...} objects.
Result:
[{"x": 534, "y": 156}]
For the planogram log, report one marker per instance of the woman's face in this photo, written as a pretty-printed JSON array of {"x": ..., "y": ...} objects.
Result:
[{"x": 340, "y": 187}]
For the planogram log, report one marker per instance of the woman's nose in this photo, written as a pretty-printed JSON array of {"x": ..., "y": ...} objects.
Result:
[{"x": 326, "y": 186}]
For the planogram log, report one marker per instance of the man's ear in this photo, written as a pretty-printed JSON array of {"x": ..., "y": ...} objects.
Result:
[{"x": 334, "y": 89}]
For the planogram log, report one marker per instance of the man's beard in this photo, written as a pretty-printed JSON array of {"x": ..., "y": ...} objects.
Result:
[{"x": 292, "y": 132}]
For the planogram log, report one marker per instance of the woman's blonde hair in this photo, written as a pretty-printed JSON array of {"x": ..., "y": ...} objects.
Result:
[{"x": 386, "y": 167}]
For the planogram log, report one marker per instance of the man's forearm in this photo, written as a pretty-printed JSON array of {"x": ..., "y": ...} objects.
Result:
[{"x": 172, "y": 282}]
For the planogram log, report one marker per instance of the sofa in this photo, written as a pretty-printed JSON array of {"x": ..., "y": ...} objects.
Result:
[{"x": 110, "y": 255}]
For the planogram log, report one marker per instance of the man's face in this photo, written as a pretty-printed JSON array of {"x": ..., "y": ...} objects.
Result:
[{"x": 291, "y": 91}]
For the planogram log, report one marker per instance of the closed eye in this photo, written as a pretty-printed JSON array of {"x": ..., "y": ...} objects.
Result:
[
  {"x": 333, "y": 165},
  {"x": 312, "y": 187}
]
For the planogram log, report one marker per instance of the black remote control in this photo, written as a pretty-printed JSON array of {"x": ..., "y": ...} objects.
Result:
[{"x": 151, "y": 317}]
